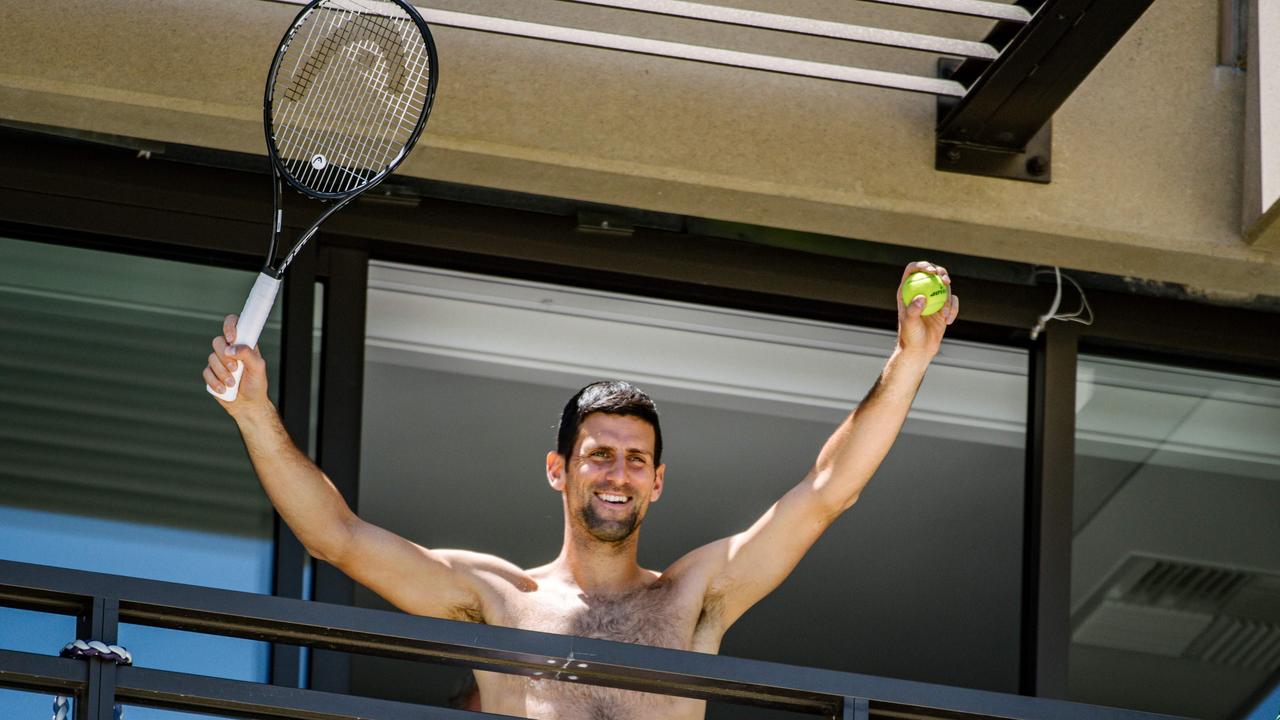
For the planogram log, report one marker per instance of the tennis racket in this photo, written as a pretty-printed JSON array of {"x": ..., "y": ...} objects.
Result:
[{"x": 348, "y": 94}]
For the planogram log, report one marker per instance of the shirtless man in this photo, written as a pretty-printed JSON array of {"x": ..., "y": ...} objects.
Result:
[{"x": 608, "y": 468}]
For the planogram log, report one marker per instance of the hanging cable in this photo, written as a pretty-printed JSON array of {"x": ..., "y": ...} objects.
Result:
[{"x": 1078, "y": 316}]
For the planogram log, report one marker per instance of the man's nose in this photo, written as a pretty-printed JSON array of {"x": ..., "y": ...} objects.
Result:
[{"x": 617, "y": 469}]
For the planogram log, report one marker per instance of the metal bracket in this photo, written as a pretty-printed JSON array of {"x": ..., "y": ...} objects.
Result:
[
  {"x": 1030, "y": 165},
  {"x": 600, "y": 223}
]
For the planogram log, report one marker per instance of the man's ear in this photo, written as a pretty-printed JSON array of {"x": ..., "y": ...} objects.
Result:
[
  {"x": 555, "y": 470},
  {"x": 657, "y": 483}
]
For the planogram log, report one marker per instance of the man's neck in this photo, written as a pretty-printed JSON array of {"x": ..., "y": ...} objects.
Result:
[{"x": 600, "y": 567}]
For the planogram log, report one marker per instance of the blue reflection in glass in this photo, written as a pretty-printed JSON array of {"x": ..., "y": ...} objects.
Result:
[
  {"x": 146, "y": 551},
  {"x": 35, "y": 632},
  {"x": 195, "y": 653},
  {"x": 21, "y": 705},
  {"x": 1268, "y": 709},
  {"x": 133, "y": 712}
]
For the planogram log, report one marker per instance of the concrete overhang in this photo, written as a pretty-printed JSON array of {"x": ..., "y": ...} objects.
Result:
[{"x": 1147, "y": 152}]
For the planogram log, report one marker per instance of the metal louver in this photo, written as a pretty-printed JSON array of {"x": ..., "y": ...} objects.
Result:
[{"x": 996, "y": 94}]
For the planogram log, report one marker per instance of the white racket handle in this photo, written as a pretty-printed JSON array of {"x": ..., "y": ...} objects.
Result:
[{"x": 252, "y": 319}]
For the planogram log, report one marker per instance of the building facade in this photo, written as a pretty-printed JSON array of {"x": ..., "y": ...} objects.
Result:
[{"x": 1082, "y": 512}]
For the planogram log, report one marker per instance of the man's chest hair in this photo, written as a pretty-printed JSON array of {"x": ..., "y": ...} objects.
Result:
[
  {"x": 663, "y": 614},
  {"x": 660, "y": 614}
]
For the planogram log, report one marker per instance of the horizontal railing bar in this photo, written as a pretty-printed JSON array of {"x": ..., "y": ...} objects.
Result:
[
  {"x": 50, "y": 602},
  {"x": 802, "y": 26},
  {"x": 389, "y": 634},
  {"x": 972, "y": 8},
  {"x": 520, "y": 652},
  {"x": 42, "y": 673},
  {"x": 524, "y": 652},
  {"x": 238, "y": 698},
  {"x": 695, "y": 53}
]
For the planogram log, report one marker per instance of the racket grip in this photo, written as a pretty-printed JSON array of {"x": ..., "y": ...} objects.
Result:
[{"x": 252, "y": 319}]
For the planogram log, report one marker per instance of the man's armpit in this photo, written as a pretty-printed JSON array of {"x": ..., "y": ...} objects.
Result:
[
  {"x": 467, "y": 613},
  {"x": 712, "y": 613}
]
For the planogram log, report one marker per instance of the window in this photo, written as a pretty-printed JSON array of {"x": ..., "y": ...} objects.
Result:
[
  {"x": 116, "y": 460},
  {"x": 1175, "y": 587},
  {"x": 465, "y": 380},
  {"x": 23, "y": 704}
]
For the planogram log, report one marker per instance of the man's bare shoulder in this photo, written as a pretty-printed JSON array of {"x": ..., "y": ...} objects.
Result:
[
  {"x": 699, "y": 566},
  {"x": 489, "y": 567},
  {"x": 492, "y": 580}
]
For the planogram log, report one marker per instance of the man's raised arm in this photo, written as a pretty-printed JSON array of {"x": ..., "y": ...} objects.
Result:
[
  {"x": 855, "y": 450},
  {"x": 440, "y": 583},
  {"x": 741, "y": 569}
]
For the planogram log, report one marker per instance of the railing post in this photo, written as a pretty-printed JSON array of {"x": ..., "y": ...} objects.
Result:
[
  {"x": 101, "y": 622},
  {"x": 854, "y": 709}
]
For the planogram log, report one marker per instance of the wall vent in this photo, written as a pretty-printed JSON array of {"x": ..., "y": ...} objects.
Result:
[
  {"x": 1178, "y": 586},
  {"x": 1183, "y": 610},
  {"x": 1238, "y": 643}
]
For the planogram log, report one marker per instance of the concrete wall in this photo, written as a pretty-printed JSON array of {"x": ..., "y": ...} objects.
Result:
[{"x": 1147, "y": 154}]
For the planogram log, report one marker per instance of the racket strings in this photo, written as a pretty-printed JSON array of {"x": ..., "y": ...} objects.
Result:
[
  {"x": 398, "y": 110},
  {"x": 330, "y": 46},
  {"x": 352, "y": 71},
  {"x": 352, "y": 88}
]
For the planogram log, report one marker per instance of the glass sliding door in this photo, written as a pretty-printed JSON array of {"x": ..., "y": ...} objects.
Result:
[
  {"x": 115, "y": 459},
  {"x": 464, "y": 382}
]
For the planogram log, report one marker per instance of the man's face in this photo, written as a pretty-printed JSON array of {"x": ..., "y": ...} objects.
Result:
[{"x": 610, "y": 478}]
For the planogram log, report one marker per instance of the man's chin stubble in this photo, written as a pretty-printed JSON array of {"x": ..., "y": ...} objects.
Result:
[{"x": 610, "y": 531}]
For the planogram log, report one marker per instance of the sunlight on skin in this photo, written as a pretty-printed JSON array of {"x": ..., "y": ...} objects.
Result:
[{"x": 614, "y": 457}]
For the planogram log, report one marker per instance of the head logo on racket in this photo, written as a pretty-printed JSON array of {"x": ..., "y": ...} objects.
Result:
[{"x": 348, "y": 94}]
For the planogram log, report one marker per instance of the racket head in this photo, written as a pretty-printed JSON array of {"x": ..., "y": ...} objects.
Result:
[{"x": 348, "y": 94}]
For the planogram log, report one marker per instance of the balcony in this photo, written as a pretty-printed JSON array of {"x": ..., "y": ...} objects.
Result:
[{"x": 101, "y": 602}]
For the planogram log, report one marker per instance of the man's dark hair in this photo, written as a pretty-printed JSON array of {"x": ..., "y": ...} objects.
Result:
[{"x": 612, "y": 397}]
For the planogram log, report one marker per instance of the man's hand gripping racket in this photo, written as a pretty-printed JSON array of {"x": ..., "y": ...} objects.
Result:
[{"x": 347, "y": 96}]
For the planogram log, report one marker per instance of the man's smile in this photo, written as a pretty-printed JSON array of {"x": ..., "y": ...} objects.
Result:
[{"x": 613, "y": 499}]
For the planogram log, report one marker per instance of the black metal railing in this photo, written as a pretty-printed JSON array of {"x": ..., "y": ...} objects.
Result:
[{"x": 101, "y": 602}]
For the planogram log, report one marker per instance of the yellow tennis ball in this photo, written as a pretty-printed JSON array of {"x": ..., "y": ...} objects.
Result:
[{"x": 935, "y": 292}]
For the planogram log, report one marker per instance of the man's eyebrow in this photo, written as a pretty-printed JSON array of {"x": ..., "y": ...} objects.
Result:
[{"x": 606, "y": 445}]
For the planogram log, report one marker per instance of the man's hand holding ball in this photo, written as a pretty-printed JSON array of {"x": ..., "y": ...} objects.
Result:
[
  {"x": 926, "y": 306},
  {"x": 936, "y": 293}
]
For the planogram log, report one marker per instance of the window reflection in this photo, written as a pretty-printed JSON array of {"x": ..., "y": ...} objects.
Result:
[
  {"x": 115, "y": 459},
  {"x": 196, "y": 653},
  {"x": 136, "y": 712},
  {"x": 34, "y": 632},
  {"x": 123, "y": 548},
  {"x": 1175, "y": 572},
  {"x": 22, "y": 704},
  {"x": 102, "y": 413}
]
